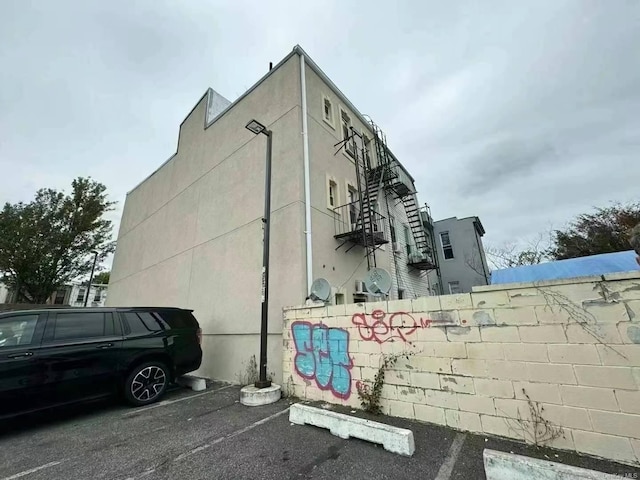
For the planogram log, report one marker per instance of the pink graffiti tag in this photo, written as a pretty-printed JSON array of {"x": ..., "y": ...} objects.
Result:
[{"x": 399, "y": 325}]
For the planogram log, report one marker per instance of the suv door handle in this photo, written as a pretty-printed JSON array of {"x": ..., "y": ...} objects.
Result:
[
  {"x": 18, "y": 355},
  {"x": 106, "y": 345}
]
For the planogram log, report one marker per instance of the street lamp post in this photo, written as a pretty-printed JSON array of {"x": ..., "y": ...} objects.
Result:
[
  {"x": 93, "y": 268},
  {"x": 257, "y": 128}
]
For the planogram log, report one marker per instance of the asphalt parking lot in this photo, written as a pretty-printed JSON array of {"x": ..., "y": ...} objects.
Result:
[{"x": 209, "y": 435}]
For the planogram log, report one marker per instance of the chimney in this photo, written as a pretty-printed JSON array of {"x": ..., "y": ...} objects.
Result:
[{"x": 270, "y": 65}]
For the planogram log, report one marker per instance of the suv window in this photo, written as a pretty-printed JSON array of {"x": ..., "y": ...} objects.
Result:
[
  {"x": 77, "y": 325},
  {"x": 17, "y": 330},
  {"x": 178, "y": 318},
  {"x": 142, "y": 322}
]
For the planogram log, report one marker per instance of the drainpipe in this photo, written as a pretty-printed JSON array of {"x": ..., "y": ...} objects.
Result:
[{"x": 307, "y": 183}]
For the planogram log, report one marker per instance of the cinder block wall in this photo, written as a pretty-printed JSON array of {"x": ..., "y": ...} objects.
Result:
[{"x": 571, "y": 347}]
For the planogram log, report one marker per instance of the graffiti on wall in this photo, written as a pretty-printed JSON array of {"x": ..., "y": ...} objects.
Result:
[
  {"x": 383, "y": 327},
  {"x": 322, "y": 354}
]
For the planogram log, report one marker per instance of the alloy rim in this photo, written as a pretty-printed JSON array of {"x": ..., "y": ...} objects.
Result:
[{"x": 148, "y": 383}]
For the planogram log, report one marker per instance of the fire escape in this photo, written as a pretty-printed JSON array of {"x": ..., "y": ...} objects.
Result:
[
  {"x": 358, "y": 222},
  {"x": 388, "y": 175}
]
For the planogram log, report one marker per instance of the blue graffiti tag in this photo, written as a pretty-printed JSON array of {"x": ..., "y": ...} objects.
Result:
[{"x": 322, "y": 354}]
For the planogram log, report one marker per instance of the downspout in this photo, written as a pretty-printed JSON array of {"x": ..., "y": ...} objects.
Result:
[{"x": 307, "y": 182}]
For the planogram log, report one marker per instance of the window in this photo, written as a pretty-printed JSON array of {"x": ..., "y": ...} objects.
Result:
[
  {"x": 447, "y": 248},
  {"x": 18, "y": 330},
  {"x": 407, "y": 239},
  {"x": 175, "y": 319},
  {"x": 333, "y": 194},
  {"x": 79, "y": 325},
  {"x": 392, "y": 226},
  {"x": 98, "y": 295},
  {"x": 345, "y": 121},
  {"x": 353, "y": 204},
  {"x": 81, "y": 293},
  {"x": 374, "y": 210},
  {"x": 59, "y": 300},
  {"x": 454, "y": 287},
  {"x": 142, "y": 323},
  {"x": 367, "y": 149},
  {"x": 400, "y": 294},
  {"x": 359, "y": 298},
  {"x": 327, "y": 110}
]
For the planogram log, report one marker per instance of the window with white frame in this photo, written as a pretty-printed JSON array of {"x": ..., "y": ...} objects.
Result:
[
  {"x": 447, "y": 248},
  {"x": 332, "y": 193},
  {"x": 345, "y": 122},
  {"x": 454, "y": 287},
  {"x": 407, "y": 239},
  {"x": 367, "y": 149},
  {"x": 327, "y": 110},
  {"x": 352, "y": 195}
]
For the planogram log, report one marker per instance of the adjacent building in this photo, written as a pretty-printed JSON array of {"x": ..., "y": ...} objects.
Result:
[
  {"x": 461, "y": 255},
  {"x": 74, "y": 295},
  {"x": 342, "y": 203}
]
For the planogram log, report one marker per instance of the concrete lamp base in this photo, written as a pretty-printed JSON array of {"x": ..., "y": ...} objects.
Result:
[{"x": 251, "y": 396}]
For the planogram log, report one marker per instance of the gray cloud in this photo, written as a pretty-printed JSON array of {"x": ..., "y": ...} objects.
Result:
[{"x": 520, "y": 113}]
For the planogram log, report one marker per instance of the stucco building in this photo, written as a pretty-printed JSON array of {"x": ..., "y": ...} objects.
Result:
[{"x": 191, "y": 233}]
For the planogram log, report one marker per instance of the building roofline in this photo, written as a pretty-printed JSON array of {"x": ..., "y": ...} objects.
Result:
[
  {"x": 365, "y": 121},
  {"x": 474, "y": 218},
  {"x": 297, "y": 50},
  {"x": 217, "y": 117}
]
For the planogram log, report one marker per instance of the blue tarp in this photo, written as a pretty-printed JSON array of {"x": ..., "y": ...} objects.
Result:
[{"x": 573, "y": 267}]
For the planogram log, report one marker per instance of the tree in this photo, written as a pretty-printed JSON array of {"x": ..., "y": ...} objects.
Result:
[
  {"x": 604, "y": 231},
  {"x": 102, "y": 278},
  {"x": 511, "y": 255},
  {"x": 49, "y": 241}
]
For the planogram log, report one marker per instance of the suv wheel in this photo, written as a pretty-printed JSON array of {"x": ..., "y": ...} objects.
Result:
[{"x": 146, "y": 383}]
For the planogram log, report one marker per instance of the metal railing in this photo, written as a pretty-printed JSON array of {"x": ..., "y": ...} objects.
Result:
[{"x": 349, "y": 221}]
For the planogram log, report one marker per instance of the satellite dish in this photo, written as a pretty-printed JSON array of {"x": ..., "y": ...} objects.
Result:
[
  {"x": 378, "y": 282},
  {"x": 320, "y": 290}
]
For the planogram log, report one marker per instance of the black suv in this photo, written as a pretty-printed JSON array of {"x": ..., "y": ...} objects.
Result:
[{"x": 57, "y": 356}]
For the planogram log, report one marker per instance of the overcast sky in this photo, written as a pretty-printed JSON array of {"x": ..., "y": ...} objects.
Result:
[{"x": 523, "y": 113}]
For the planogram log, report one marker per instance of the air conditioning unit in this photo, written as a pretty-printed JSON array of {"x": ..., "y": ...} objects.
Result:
[
  {"x": 360, "y": 287},
  {"x": 417, "y": 257},
  {"x": 350, "y": 148},
  {"x": 396, "y": 247}
]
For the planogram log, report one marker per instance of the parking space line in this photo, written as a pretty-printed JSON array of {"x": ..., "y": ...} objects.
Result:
[
  {"x": 169, "y": 402},
  {"x": 231, "y": 435},
  {"x": 454, "y": 450},
  {"x": 33, "y": 470}
]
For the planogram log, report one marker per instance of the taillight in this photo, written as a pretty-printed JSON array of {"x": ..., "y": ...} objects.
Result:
[{"x": 199, "y": 334}]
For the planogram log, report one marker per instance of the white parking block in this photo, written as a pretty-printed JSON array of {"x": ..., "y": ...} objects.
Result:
[
  {"x": 393, "y": 439},
  {"x": 508, "y": 466},
  {"x": 194, "y": 383}
]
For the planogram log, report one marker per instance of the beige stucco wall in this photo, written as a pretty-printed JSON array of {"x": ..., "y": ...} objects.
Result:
[
  {"x": 191, "y": 234},
  {"x": 572, "y": 346}
]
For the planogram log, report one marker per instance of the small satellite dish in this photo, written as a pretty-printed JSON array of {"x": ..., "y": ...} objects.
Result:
[
  {"x": 378, "y": 282},
  {"x": 320, "y": 290}
]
